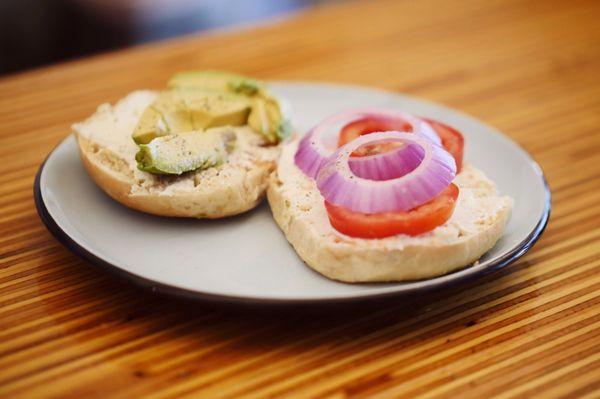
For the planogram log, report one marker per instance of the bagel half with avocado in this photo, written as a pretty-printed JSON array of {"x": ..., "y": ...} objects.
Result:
[
  {"x": 202, "y": 148},
  {"x": 352, "y": 246}
]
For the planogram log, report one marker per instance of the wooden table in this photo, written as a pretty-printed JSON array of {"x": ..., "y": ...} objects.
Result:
[{"x": 532, "y": 69}]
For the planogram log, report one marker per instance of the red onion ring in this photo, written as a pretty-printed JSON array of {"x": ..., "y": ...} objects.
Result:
[
  {"x": 387, "y": 165},
  {"x": 431, "y": 174},
  {"x": 321, "y": 141}
]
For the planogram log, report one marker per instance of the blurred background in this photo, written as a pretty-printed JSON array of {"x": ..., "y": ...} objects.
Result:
[{"x": 39, "y": 32}]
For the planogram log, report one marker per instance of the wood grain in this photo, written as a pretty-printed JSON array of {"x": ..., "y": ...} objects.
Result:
[{"x": 530, "y": 68}]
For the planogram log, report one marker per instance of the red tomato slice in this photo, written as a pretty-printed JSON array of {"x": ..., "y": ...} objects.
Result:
[
  {"x": 370, "y": 125},
  {"x": 451, "y": 138},
  {"x": 379, "y": 225},
  {"x": 452, "y": 141}
]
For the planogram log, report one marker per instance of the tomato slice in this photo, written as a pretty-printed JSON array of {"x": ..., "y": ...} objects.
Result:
[
  {"x": 379, "y": 225},
  {"x": 451, "y": 138},
  {"x": 452, "y": 141},
  {"x": 414, "y": 222},
  {"x": 370, "y": 125}
]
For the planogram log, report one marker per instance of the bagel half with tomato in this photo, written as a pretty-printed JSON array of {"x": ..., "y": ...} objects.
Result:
[{"x": 375, "y": 195}]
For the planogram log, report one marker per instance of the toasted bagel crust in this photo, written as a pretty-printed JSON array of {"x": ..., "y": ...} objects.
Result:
[{"x": 298, "y": 209}]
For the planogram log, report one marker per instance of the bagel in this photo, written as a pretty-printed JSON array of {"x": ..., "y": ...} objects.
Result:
[
  {"x": 476, "y": 225},
  {"x": 108, "y": 154}
]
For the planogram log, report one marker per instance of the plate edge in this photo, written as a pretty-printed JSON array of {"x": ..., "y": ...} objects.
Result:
[
  {"x": 161, "y": 288},
  {"x": 170, "y": 290}
]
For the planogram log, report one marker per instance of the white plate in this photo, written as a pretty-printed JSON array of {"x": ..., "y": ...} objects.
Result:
[{"x": 247, "y": 258}]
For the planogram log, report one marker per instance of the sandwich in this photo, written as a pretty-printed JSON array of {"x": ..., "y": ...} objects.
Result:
[
  {"x": 203, "y": 147},
  {"x": 373, "y": 195}
]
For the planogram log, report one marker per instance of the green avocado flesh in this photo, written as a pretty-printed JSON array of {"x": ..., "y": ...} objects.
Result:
[
  {"x": 179, "y": 111},
  {"x": 266, "y": 118},
  {"x": 172, "y": 132},
  {"x": 218, "y": 109},
  {"x": 265, "y": 115},
  {"x": 175, "y": 154}
]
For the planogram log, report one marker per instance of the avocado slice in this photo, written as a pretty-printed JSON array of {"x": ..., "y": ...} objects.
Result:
[
  {"x": 264, "y": 116},
  {"x": 147, "y": 127},
  {"x": 267, "y": 119},
  {"x": 168, "y": 114},
  {"x": 216, "y": 81},
  {"x": 175, "y": 154},
  {"x": 212, "y": 109},
  {"x": 186, "y": 110}
]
